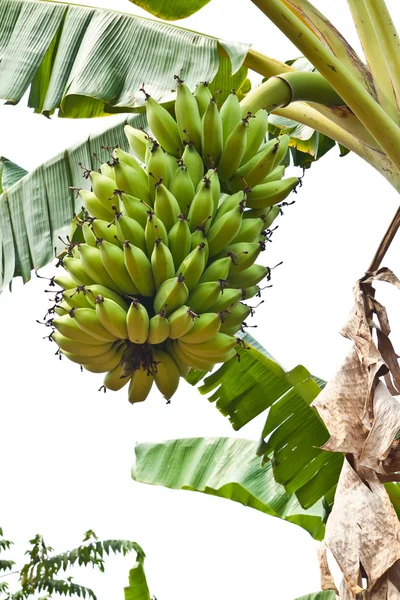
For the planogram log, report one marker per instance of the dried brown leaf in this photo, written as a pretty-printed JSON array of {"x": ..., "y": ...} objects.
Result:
[{"x": 327, "y": 581}]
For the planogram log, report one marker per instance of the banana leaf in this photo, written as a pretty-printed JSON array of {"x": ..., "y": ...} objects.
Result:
[
  {"x": 38, "y": 209},
  {"x": 293, "y": 432},
  {"x": 10, "y": 173},
  {"x": 171, "y": 10},
  {"x": 319, "y": 596},
  {"x": 227, "y": 468},
  {"x": 90, "y": 62},
  {"x": 137, "y": 588}
]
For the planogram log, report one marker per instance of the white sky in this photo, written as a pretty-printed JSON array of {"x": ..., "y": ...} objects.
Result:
[{"x": 67, "y": 449}]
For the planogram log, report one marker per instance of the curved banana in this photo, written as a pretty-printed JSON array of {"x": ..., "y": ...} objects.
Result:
[
  {"x": 90, "y": 360},
  {"x": 113, "y": 379},
  {"x": 233, "y": 150},
  {"x": 268, "y": 194},
  {"x": 249, "y": 231},
  {"x": 195, "y": 362},
  {"x": 181, "y": 322},
  {"x": 227, "y": 298},
  {"x": 204, "y": 295},
  {"x": 130, "y": 230},
  {"x": 182, "y": 188},
  {"x": 187, "y": 115},
  {"x": 80, "y": 348},
  {"x": 154, "y": 229},
  {"x": 219, "y": 269},
  {"x": 163, "y": 125},
  {"x": 76, "y": 269},
  {"x": 170, "y": 295},
  {"x": 166, "y": 206},
  {"x": 202, "y": 206},
  {"x": 182, "y": 366},
  {"x": 95, "y": 207},
  {"x": 194, "y": 163},
  {"x": 203, "y": 96},
  {"x": 139, "y": 269},
  {"x": 211, "y": 134},
  {"x": 137, "y": 141},
  {"x": 131, "y": 181},
  {"x": 92, "y": 291},
  {"x": 87, "y": 320},
  {"x": 140, "y": 385},
  {"x": 103, "y": 187},
  {"x": 92, "y": 263},
  {"x": 251, "y": 276},
  {"x": 137, "y": 322},
  {"x": 213, "y": 347},
  {"x": 109, "y": 364},
  {"x": 162, "y": 263},
  {"x": 223, "y": 231},
  {"x": 112, "y": 317},
  {"x": 256, "y": 133},
  {"x": 104, "y": 230},
  {"x": 65, "y": 281},
  {"x": 134, "y": 208},
  {"x": 159, "y": 329},
  {"x": 193, "y": 266},
  {"x": 69, "y": 328},
  {"x": 205, "y": 327},
  {"x": 179, "y": 240},
  {"x": 114, "y": 263},
  {"x": 230, "y": 114},
  {"x": 167, "y": 374}
]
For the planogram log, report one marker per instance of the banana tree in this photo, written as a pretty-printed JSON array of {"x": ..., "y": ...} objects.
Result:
[{"x": 342, "y": 99}]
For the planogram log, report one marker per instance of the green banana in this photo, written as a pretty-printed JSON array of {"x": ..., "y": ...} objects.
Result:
[
  {"x": 114, "y": 263},
  {"x": 202, "y": 206},
  {"x": 226, "y": 299},
  {"x": 167, "y": 374},
  {"x": 112, "y": 317},
  {"x": 211, "y": 134},
  {"x": 235, "y": 317},
  {"x": 256, "y": 133},
  {"x": 193, "y": 266},
  {"x": 250, "y": 230},
  {"x": 69, "y": 328},
  {"x": 230, "y": 202},
  {"x": 182, "y": 366},
  {"x": 137, "y": 141},
  {"x": 140, "y": 385},
  {"x": 88, "y": 234},
  {"x": 204, "y": 295},
  {"x": 187, "y": 115},
  {"x": 91, "y": 291},
  {"x": 93, "y": 265},
  {"x": 76, "y": 298},
  {"x": 137, "y": 322},
  {"x": 76, "y": 269},
  {"x": 219, "y": 269},
  {"x": 130, "y": 230},
  {"x": 139, "y": 269},
  {"x": 162, "y": 263},
  {"x": 275, "y": 175},
  {"x": 182, "y": 187},
  {"x": 163, "y": 126},
  {"x": 95, "y": 207},
  {"x": 107, "y": 170},
  {"x": 103, "y": 187},
  {"x": 130, "y": 181},
  {"x": 213, "y": 347},
  {"x": 233, "y": 150},
  {"x": 104, "y": 230},
  {"x": 249, "y": 277},
  {"x": 159, "y": 329},
  {"x": 113, "y": 380},
  {"x": 166, "y": 206},
  {"x": 268, "y": 194},
  {"x": 179, "y": 240},
  {"x": 65, "y": 281},
  {"x": 230, "y": 114},
  {"x": 199, "y": 237},
  {"x": 181, "y": 322},
  {"x": 86, "y": 319},
  {"x": 244, "y": 255},
  {"x": 215, "y": 186},
  {"x": 268, "y": 215},
  {"x": 196, "y": 362},
  {"x": 126, "y": 158},
  {"x": 194, "y": 163},
  {"x": 90, "y": 360},
  {"x": 223, "y": 231},
  {"x": 203, "y": 96},
  {"x": 134, "y": 208},
  {"x": 80, "y": 348},
  {"x": 158, "y": 167},
  {"x": 206, "y": 326},
  {"x": 250, "y": 292},
  {"x": 170, "y": 295},
  {"x": 154, "y": 229},
  {"x": 107, "y": 365}
]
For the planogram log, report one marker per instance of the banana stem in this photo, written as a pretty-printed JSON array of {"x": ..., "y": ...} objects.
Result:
[
  {"x": 296, "y": 86},
  {"x": 264, "y": 65},
  {"x": 388, "y": 39},
  {"x": 375, "y": 57},
  {"x": 371, "y": 115}
]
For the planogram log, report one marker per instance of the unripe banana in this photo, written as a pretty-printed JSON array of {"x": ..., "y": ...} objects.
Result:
[
  {"x": 130, "y": 230},
  {"x": 103, "y": 187},
  {"x": 268, "y": 194},
  {"x": 226, "y": 299},
  {"x": 137, "y": 322},
  {"x": 224, "y": 230},
  {"x": 109, "y": 364},
  {"x": 187, "y": 115},
  {"x": 256, "y": 132},
  {"x": 182, "y": 187},
  {"x": 171, "y": 294},
  {"x": 88, "y": 234},
  {"x": 159, "y": 329},
  {"x": 205, "y": 327},
  {"x": 113, "y": 380},
  {"x": 114, "y": 263},
  {"x": 193, "y": 266},
  {"x": 211, "y": 134},
  {"x": 179, "y": 240},
  {"x": 126, "y": 158},
  {"x": 163, "y": 126},
  {"x": 107, "y": 170},
  {"x": 212, "y": 175},
  {"x": 80, "y": 348},
  {"x": 230, "y": 202},
  {"x": 195, "y": 362},
  {"x": 235, "y": 317},
  {"x": 76, "y": 269},
  {"x": 87, "y": 320},
  {"x": 204, "y": 295},
  {"x": 154, "y": 229},
  {"x": 104, "y": 230},
  {"x": 249, "y": 277},
  {"x": 95, "y": 207},
  {"x": 202, "y": 207},
  {"x": 182, "y": 366},
  {"x": 166, "y": 206},
  {"x": 275, "y": 175},
  {"x": 65, "y": 281},
  {"x": 112, "y": 317},
  {"x": 76, "y": 298},
  {"x": 90, "y": 360},
  {"x": 268, "y": 215},
  {"x": 250, "y": 292},
  {"x": 233, "y": 150},
  {"x": 190, "y": 351},
  {"x": 93, "y": 265},
  {"x": 140, "y": 385},
  {"x": 166, "y": 374},
  {"x": 244, "y": 255},
  {"x": 211, "y": 348},
  {"x": 137, "y": 141},
  {"x": 194, "y": 163},
  {"x": 282, "y": 150},
  {"x": 249, "y": 231},
  {"x": 230, "y": 114},
  {"x": 134, "y": 208},
  {"x": 61, "y": 309},
  {"x": 199, "y": 237},
  {"x": 181, "y": 322},
  {"x": 68, "y": 328},
  {"x": 219, "y": 269},
  {"x": 130, "y": 181},
  {"x": 158, "y": 167},
  {"x": 203, "y": 96},
  {"x": 162, "y": 263},
  {"x": 92, "y": 291},
  {"x": 139, "y": 269}
]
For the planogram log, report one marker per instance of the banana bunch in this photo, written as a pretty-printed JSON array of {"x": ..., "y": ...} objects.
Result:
[{"x": 169, "y": 235}]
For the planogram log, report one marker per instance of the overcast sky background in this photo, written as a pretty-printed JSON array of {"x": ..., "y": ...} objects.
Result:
[{"x": 67, "y": 449}]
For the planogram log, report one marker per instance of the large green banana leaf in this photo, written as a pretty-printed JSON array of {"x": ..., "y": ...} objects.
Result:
[
  {"x": 293, "y": 431},
  {"x": 172, "y": 10},
  {"x": 39, "y": 207},
  {"x": 137, "y": 588},
  {"x": 10, "y": 173},
  {"x": 224, "y": 467},
  {"x": 91, "y": 62}
]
